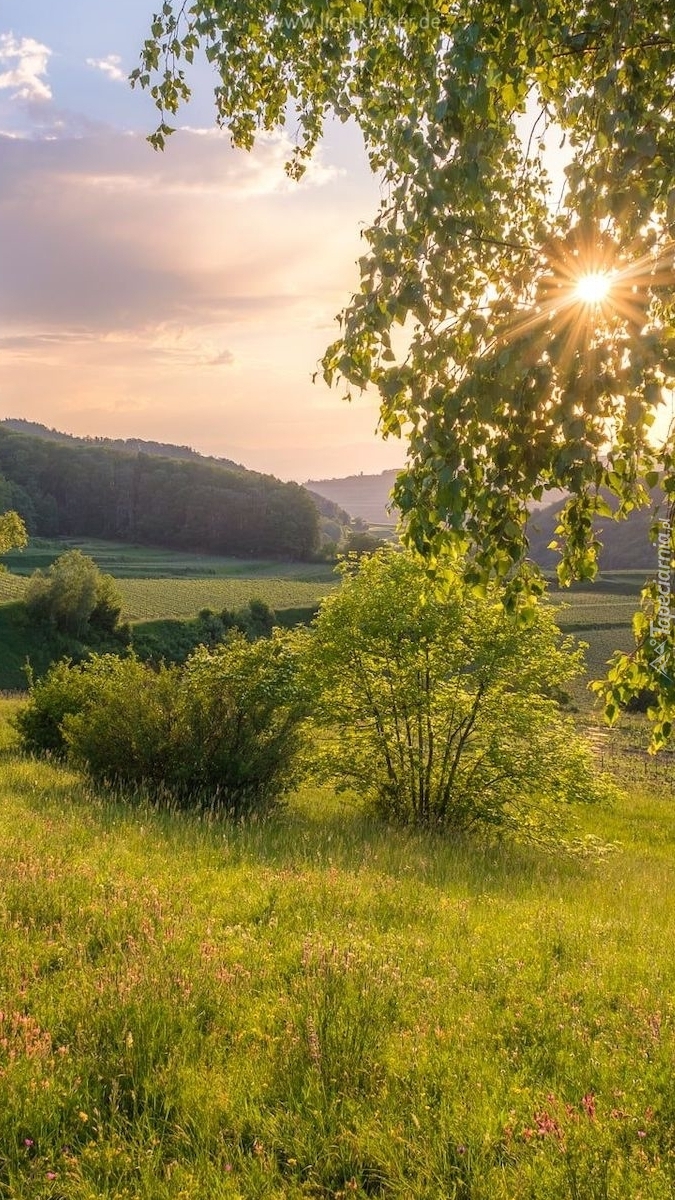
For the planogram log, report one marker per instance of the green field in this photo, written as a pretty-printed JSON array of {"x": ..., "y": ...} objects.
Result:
[
  {"x": 150, "y": 599},
  {"x": 142, "y": 562},
  {"x": 324, "y": 1007},
  {"x": 160, "y": 584}
]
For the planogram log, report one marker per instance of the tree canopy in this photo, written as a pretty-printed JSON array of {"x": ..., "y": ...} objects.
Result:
[
  {"x": 440, "y": 710},
  {"x": 13, "y": 534},
  {"x": 63, "y": 488},
  {"x": 521, "y": 335}
]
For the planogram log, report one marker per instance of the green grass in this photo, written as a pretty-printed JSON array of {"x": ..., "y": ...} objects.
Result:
[
  {"x": 323, "y": 1007},
  {"x": 142, "y": 562}
]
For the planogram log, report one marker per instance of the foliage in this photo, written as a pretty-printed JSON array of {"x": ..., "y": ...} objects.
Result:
[
  {"x": 467, "y": 321},
  {"x": 63, "y": 690},
  {"x": 361, "y": 542},
  {"x": 239, "y": 715},
  {"x": 223, "y": 730},
  {"x": 74, "y": 596},
  {"x": 173, "y": 641},
  {"x": 13, "y": 534},
  {"x": 94, "y": 491},
  {"x": 440, "y": 709},
  {"x": 125, "y": 731}
]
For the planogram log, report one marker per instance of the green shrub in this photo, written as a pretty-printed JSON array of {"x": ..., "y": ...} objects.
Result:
[
  {"x": 64, "y": 689},
  {"x": 240, "y": 719},
  {"x": 224, "y": 730},
  {"x": 173, "y": 641},
  {"x": 125, "y": 731},
  {"x": 74, "y": 596},
  {"x": 438, "y": 707}
]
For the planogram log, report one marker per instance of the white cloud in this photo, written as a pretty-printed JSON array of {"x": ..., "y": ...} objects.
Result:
[
  {"x": 27, "y": 62},
  {"x": 110, "y": 66}
]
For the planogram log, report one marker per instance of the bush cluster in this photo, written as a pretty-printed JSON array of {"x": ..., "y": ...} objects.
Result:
[
  {"x": 173, "y": 641},
  {"x": 222, "y": 731},
  {"x": 429, "y": 703},
  {"x": 75, "y": 597}
]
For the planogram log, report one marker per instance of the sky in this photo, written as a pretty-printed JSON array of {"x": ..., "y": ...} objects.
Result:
[{"x": 183, "y": 297}]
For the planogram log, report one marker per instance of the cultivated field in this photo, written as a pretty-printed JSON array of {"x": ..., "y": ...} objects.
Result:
[
  {"x": 158, "y": 584},
  {"x": 134, "y": 562},
  {"x": 151, "y": 599}
]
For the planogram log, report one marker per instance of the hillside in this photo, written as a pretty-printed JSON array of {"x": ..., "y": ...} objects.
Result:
[
  {"x": 320, "y": 1006},
  {"x": 131, "y": 445},
  {"x": 626, "y": 544},
  {"x": 368, "y": 496},
  {"x": 365, "y": 496},
  {"x": 68, "y": 488}
]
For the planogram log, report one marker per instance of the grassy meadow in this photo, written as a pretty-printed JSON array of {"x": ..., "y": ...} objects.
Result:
[{"x": 323, "y": 1007}]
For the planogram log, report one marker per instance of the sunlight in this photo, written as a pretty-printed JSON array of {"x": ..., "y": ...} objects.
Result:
[{"x": 593, "y": 287}]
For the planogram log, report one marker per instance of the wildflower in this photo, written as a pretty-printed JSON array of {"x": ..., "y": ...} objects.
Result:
[
  {"x": 83, "y": 1116},
  {"x": 588, "y": 1102},
  {"x": 641, "y": 1133},
  {"x": 28, "y": 1142},
  {"x": 50, "y": 1175}
]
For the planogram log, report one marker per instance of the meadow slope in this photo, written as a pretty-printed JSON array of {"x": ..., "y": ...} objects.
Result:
[{"x": 325, "y": 1007}]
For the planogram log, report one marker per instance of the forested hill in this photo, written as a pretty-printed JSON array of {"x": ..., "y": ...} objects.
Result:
[
  {"x": 68, "y": 488},
  {"x": 131, "y": 445}
]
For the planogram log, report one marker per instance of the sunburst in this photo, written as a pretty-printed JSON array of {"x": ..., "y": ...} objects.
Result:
[
  {"x": 593, "y": 287},
  {"x": 589, "y": 288}
]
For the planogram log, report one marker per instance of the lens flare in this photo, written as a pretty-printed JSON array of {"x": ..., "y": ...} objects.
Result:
[{"x": 593, "y": 287}]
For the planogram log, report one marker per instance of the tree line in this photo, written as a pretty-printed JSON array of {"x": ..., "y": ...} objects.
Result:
[{"x": 63, "y": 490}]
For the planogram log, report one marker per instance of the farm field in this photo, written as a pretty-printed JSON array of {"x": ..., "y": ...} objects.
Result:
[
  {"x": 321, "y": 1006},
  {"x": 151, "y": 599},
  {"x": 124, "y": 561},
  {"x": 160, "y": 584}
]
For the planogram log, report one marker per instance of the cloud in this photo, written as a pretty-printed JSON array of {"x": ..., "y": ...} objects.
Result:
[
  {"x": 146, "y": 294},
  {"x": 224, "y": 359},
  {"x": 100, "y": 232},
  {"x": 110, "y": 66},
  {"x": 27, "y": 61}
]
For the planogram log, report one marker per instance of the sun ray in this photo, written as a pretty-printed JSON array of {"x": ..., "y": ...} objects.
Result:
[{"x": 593, "y": 287}]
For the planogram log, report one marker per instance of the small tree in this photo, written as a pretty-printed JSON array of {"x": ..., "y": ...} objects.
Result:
[
  {"x": 438, "y": 707},
  {"x": 13, "y": 535},
  {"x": 74, "y": 596}
]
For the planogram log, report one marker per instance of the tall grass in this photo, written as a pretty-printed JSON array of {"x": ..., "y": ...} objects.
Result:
[{"x": 321, "y": 1006}]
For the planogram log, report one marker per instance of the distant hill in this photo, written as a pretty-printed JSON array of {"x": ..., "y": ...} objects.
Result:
[
  {"x": 365, "y": 496},
  {"x": 333, "y": 519},
  {"x": 74, "y": 487},
  {"x": 626, "y": 544},
  {"x": 130, "y": 445}
]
